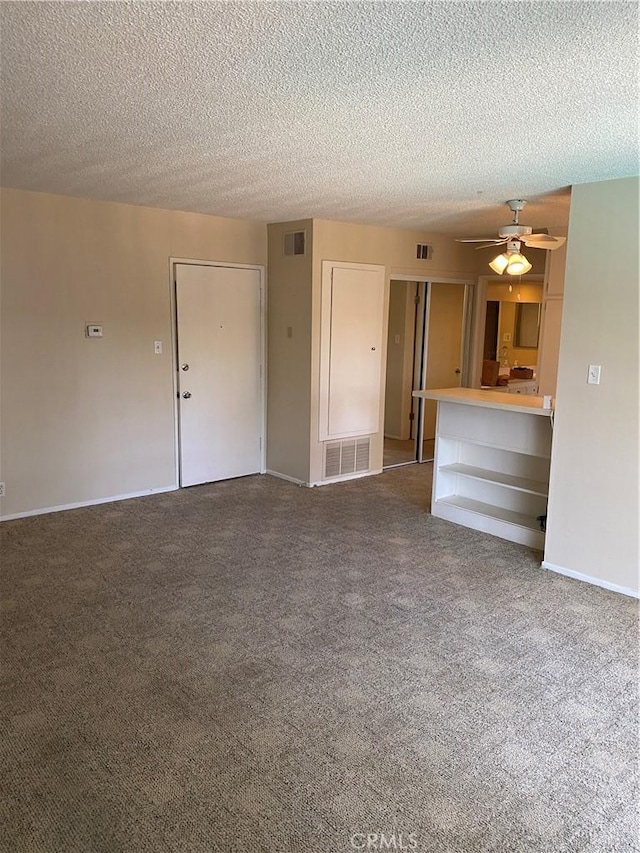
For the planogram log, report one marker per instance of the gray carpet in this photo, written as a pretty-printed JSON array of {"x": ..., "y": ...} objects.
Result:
[{"x": 252, "y": 666}]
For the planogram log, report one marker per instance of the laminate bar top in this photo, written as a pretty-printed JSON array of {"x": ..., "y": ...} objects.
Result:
[{"x": 528, "y": 403}]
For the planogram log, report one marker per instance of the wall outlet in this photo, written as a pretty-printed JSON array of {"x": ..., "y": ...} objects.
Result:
[{"x": 2, "y": 490}]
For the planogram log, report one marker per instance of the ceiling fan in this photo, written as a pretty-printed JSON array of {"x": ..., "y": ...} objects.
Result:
[
  {"x": 515, "y": 231},
  {"x": 512, "y": 262}
]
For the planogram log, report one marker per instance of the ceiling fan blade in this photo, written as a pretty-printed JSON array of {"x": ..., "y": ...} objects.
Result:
[
  {"x": 492, "y": 244},
  {"x": 543, "y": 241},
  {"x": 488, "y": 240},
  {"x": 538, "y": 238}
]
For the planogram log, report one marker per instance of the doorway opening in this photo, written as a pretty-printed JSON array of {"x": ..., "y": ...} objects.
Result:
[
  {"x": 427, "y": 347},
  {"x": 497, "y": 330}
]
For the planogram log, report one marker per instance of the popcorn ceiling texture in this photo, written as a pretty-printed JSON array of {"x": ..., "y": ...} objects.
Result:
[{"x": 425, "y": 115}]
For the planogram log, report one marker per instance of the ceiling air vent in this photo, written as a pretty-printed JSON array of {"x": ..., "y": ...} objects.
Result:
[
  {"x": 424, "y": 252},
  {"x": 349, "y": 456},
  {"x": 294, "y": 242}
]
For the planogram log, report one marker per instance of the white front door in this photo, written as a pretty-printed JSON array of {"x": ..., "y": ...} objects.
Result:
[{"x": 219, "y": 333}]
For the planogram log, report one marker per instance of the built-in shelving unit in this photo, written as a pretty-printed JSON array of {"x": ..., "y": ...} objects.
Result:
[
  {"x": 491, "y": 468},
  {"x": 522, "y": 484},
  {"x": 495, "y": 513}
]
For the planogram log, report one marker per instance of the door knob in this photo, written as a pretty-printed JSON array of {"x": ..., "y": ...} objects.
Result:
[
  {"x": 186, "y": 394},
  {"x": 185, "y": 367},
  {"x": 457, "y": 370}
]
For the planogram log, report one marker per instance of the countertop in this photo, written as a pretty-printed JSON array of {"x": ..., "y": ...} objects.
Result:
[{"x": 528, "y": 403}]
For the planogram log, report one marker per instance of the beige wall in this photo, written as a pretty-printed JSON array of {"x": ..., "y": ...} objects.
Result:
[
  {"x": 395, "y": 249},
  {"x": 86, "y": 420},
  {"x": 526, "y": 291},
  {"x": 289, "y": 353},
  {"x": 82, "y": 419},
  {"x": 593, "y": 503}
]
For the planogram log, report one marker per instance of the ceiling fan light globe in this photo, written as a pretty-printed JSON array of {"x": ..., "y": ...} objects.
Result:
[
  {"x": 499, "y": 263},
  {"x": 517, "y": 265}
]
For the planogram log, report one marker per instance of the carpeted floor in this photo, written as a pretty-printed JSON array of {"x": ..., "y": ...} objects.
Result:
[{"x": 252, "y": 666}]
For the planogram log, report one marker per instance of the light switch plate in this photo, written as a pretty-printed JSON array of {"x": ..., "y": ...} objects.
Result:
[
  {"x": 593, "y": 376},
  {"x": 157, "y": 347}
]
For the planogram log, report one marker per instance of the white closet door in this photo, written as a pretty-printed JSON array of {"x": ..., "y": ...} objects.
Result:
[{"x": 352, "y": 349}]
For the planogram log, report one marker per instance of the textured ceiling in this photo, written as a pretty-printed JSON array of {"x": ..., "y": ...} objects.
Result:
[{"x": 426, "y": 115}]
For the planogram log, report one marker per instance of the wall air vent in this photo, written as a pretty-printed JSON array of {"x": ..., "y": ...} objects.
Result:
[
  {"x": 424, "y": 252},
  {"x": 349, "y": 456},
  {"x": 295, "y": 242}
]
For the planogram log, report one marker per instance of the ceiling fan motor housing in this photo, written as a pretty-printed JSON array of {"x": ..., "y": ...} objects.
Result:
[{"x": 513, "y": 231}]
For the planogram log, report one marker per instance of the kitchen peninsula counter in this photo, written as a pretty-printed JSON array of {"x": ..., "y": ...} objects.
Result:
[{"x": 491, "y": 465}]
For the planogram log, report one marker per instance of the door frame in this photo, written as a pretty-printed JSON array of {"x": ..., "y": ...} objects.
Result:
[
  {"x": 467, "y": 342},
  {"x": 173, "y": 262}
]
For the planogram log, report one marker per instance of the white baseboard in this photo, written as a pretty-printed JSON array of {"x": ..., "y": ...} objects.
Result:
[
  {"x": 80, "y": 504},
  {"x": 614, "y": 587},
  {"x": 286, "y": 477}
]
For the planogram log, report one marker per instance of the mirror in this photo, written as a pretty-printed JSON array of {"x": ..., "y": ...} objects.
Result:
[{"x": 527, "y": 325}]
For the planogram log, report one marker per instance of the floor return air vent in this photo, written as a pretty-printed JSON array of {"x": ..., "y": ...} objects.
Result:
[{"x": 348, "y": 456}]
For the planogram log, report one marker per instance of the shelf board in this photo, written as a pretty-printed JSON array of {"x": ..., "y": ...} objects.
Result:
[
  {"x": 521, "y": 484},
  {"x": 499, "y": 513},
  {"x": 466, "y": 440}
]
